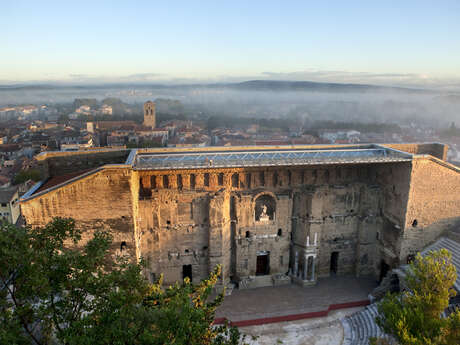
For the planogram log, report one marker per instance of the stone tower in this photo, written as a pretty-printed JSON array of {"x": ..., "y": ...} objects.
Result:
[{"x": 149, "y": 114}]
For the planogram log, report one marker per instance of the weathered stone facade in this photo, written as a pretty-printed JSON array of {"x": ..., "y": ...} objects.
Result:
[{"x": 265, "y": 225}]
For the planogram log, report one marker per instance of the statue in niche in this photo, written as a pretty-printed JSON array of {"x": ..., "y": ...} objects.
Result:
[
  {"x": 265, "y": 209},
  {"x": 263, "y": 215}
]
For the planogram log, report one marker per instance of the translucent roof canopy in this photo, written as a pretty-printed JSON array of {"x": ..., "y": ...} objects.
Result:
[{"x": 262, "y": 158}]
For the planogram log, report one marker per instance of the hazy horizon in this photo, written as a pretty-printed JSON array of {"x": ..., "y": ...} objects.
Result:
[{"x": 409, "y": 44}]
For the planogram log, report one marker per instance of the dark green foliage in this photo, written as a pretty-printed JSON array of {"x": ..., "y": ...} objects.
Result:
[
  {"x": 54, "y": 293},
  {"x": 414, "y": 317},
  {"x": 24, "y": 175}
]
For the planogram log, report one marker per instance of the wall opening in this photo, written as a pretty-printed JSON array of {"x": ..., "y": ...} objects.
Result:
[
  {"x": 414, "y": 223},
  {"x": 153, "y": 182},
  {"x": 123, "y": 246},
  {"x": 192, "y": 181},
  {"x": 384, "y": 268},
  {"x": 265, "y": 208},
  {"x": 232, "y": 208},
  {"x": 275, "y": 179},
  {"x": 262, "y": 178},
  {"x": 220, "y": 179},
  {"x": 165, "y": 181},
  {"x": 187, "y": 272},
  {"x": 248, "y": 234},
  {"x": 179, "y": 181},
  {"x": 248, "y": 180},
  {"x": 280, "y": 232},
  {"x": 263, "y": 264},
  {"x": 235, "y": 181},
  {"x": 206, "y": 179},
  {"x": 334, "y": 262}
]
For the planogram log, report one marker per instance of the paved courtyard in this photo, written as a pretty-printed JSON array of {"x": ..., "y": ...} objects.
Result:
[{"x": 292, "y": 299}]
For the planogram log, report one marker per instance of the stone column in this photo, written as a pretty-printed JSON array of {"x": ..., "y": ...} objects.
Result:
[
  {"x": 313, "y": 269},
  {"x": 296, "y": 263},
  {"x": 305, "y": 268}
]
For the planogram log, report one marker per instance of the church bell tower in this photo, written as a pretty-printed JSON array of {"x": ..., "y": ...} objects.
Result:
[{"x": 149, "y": 114}]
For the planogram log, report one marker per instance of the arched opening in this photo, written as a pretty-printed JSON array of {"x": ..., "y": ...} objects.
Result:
[
  {"x": 414, "y": 223},
  {"x": 179, "y": 181},
  {"x": 262, "y": 178},
  {"x": 265, "y": 208},
  {"x": 334, "y": 263},
  {"x": 248, "y": 234},
  {"x": 248, "y": 180},
  {"x": 153, "y": 182},
  {"x": 123, "y": 246},
  {"x": 280, "y": 232},
  {"x": 235, "y": 180},
  {"x": 192, "y": 181}
]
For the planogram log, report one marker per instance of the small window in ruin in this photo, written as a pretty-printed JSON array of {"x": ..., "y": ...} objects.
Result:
[
  {"x": 205, "y": 247},
  {"x": 206, "y": 179},
  {"x": 248, "y": 234},
  {"x": 179, "y": 181},
  {"x": 122, "y": 246},
  {"x": 280, "y": 232},
  {"x": 315, "y": 174},
  {"x": 289, "y": 177},
  {"x": 192, "y": 181},
  {"x": 262, "y": 178},
  {"x": 186, "y": 251},
  {"x": 153, "y": 182},
  {"x": 281, "y": 260},
  {"x": 235, "y": 180},
  {"x": 220, "y": 179},
  {"x": 414, "y": 223},
  {"x": 377, "y": 235},
  {"x": 165, "y": 181},
  {"x": 168, "y": 222}
]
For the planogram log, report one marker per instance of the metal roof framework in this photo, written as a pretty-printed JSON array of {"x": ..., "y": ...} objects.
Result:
[{"x": 221, "y": 159}]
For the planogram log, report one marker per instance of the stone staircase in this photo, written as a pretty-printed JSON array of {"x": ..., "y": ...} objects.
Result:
[{"x": 361, "y": 325}]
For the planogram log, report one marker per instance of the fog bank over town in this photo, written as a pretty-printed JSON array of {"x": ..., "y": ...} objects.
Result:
[{"x": 266, "y": 99}]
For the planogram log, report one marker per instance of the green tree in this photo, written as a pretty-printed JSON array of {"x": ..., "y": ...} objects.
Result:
[
  {"x": 53, "y": 291},
  {"x": 25, "y": 175},
  {"x": 415, "y": 317}
]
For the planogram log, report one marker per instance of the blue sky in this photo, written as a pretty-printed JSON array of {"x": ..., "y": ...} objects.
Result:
[{"x": 384, "y": 42}]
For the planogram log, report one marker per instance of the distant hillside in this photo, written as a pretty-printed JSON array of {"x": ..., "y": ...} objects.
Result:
[
  {"x": 255, "y": 85},
  {"x": 279, "y": 85}
]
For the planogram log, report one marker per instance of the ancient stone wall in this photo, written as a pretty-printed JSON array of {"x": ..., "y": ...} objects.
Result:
[
  {"x": 435, "y": 149},
  {"x": 59, "y": 163},
  {"x": 433, "y": 204},
  {"x": 100, "y": 201}
]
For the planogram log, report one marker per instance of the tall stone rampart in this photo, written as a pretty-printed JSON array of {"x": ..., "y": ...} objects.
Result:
[{"x": 99, "y": 201}]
